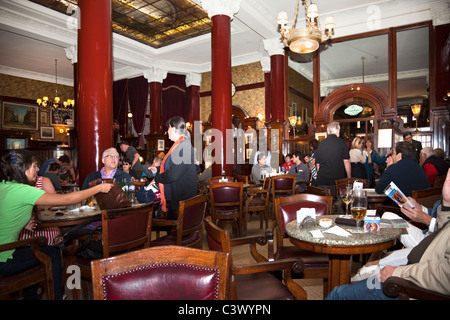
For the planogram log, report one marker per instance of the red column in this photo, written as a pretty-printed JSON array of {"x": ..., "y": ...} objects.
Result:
[
  {"x": 268, "y": 97},
  {"x": 155, "y": 107},
  {"x": 278, "y": 87},
  {"x": 221, "y": 87},
  {"x": 95, "y": 84}
]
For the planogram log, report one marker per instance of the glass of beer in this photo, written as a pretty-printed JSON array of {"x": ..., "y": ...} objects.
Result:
[{"x": 359, "y": 207}]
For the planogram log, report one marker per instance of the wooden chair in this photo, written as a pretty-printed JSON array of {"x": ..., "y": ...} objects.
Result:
[
  {"x": 316, "y": 264},
  {"x": 227, "y": 202},
  {"x": 188, "y": 228},
  {"x": 123, "y": 230},
  {"x": 318, "y": 191},
  {"x": 39, "y": 274},
  {"x": 395, "y": 287},
  {"x": 219, "y": 179},
  {"x": 282, "y": 186},
  {"x": 439, "y": 181},
  {"x": 257, "y": 200},
  {"x": 342, "y": 183},
  {"x": 427, "y": 197},
  {"x": 254, "y": 281},
  {"x": 241, "y": 178},
  {"x": 162, "y": 273}
]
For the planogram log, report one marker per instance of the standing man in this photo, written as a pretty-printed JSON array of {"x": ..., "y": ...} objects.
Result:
[
  {"x": 300, "y": 170},
  {"x": 407, "y": 136},
  {"x": 131, "y": 153},
  {"x": 332, "y": 159}
]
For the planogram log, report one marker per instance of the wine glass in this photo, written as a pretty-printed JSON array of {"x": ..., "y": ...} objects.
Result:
[
  {"x": 359, "y": 207},
  {"x": 346, "y": 196}
]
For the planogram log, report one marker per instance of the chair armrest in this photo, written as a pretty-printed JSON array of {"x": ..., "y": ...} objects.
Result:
[
  {"x": 255, "y": 240},
  {"x": 164, "y": 222},
  {"x": 395, "y": 287},
  {"x": 40, "y": 241}
]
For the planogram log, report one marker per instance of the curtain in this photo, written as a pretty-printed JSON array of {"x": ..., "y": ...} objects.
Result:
[
  {"x": 120, "y": 106},
  {"x": 174, "y": 98},
  {"x": 138, "y": 98}
]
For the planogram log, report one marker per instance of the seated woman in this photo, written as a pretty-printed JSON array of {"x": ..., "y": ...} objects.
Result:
[
  {"x": 18, "y": 168},
  {"x": 260, "y": 169},
  {"x": 126, "y": 167},
  {"x": 357, "y": 158}
]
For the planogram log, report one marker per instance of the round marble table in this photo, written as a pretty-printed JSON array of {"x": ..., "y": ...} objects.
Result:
[{"x": 341, "y": 248}]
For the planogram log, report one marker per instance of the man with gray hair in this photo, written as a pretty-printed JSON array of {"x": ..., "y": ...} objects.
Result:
[
  {"x": 110, "y": 159},
  {"x": 432, "y": 165},
  {"x": 332, "y": 159}
]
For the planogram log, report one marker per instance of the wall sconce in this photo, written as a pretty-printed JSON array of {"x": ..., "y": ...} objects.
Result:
[
  {"x": 188, "y": 125},
  {"x": 260, "y": 117},
  {"x": 415, "y": 109},
  {"x": 61, "y": 130},
  {"x": 293, "y": 121}
]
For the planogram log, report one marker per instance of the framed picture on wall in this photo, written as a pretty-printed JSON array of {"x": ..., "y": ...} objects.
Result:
[
  {"x": 62, "y": 117},
  {"x": 47, "y": 133},
  {"x": 44, "y": 118},
  {"x": 321, "y": 136},
  {"x": 19, "y": 116},
  {"x": 160, "y": 145}
]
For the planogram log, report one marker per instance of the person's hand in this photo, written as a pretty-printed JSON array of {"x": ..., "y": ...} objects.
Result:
[
  {"x": 417, "y": 213},
  {"x": 153, "y": 170},
  {"x": 152, "y": 182},
  {"x": 105, "y": 187},
  {"x": 386, "y": 272},
  {"x": 31, "y": 225}
]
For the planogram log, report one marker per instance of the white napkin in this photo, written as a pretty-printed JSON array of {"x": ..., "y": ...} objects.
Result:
[
  {"x": 338, "y": 231},
  {"x": 305, "y": 212}
]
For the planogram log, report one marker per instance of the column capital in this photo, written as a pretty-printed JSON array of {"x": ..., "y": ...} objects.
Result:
[
  {"x": 72, "y": 54},
  {"x": 221, "y": 7},
  {"x": 265, "y": 64},
  {"x": 155, "y": 74},
  {"x": 193, "y": 79},
  {"x": 274, "y": 46}
]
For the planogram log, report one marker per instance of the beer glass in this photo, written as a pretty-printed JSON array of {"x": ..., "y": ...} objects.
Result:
[{"x": 359, "y": 207}]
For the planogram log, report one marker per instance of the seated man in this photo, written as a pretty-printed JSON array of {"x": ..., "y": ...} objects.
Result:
[
  {"x": 67, "y": 171},
  {"x": 404, "y": 260},
  {"x": 53, "y": 174},
  {"x": 405, "y": 172},
  {"x": 260, "y": 169},
  {"x": 110, "y": 159},
  {"x": 299, "y": 169}
]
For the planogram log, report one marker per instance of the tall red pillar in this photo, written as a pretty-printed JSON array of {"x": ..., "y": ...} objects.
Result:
[
  {"x": 95, "y": 99},
  {"x": 155, "y": 107}
]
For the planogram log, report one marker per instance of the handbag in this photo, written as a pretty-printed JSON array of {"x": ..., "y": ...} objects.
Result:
[
  {"x": 115, "y": 198},
  {"x": 88, "y": 248}
]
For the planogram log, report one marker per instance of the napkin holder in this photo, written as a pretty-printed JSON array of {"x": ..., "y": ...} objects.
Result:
[{"x": 308, "y": 222}]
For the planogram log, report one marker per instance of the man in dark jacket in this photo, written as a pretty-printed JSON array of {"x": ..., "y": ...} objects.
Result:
[
  {"x": 432, "y": 165},
  {"x": 407, "y": 136}
]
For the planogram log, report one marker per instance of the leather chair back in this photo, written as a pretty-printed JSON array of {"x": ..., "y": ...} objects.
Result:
[{"x": 162, "y": 273}]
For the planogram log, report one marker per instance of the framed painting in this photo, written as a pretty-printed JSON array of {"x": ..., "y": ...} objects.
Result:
[
  {"x": 44, "y": 118},
  {"x": 47, "y": 133},
  {"x": 16, "y": 143},
  {"x": 19, "y": 116},
  {"x": 62, "y": 117},
  {"x": 320, "y": 136},
  {"x": 160, "y": 145}
]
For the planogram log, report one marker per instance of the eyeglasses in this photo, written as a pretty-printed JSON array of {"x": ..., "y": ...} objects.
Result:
[{"x": 112, "y": 156}]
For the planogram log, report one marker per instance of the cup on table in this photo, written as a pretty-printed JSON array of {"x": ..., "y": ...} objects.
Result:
[{"x": 358, "y": 207}]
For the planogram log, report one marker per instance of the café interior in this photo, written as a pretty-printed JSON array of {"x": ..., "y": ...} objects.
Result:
[{"x": 79, "y": 76}]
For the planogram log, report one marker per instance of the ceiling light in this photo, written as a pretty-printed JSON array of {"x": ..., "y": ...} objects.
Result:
[
  {"x": 45, "y": 104},
  {"x": 305, "y": 40}
]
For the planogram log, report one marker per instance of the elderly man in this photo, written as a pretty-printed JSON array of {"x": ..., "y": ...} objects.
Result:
[
  {"x": 332, "y": 159},
  {"x": 432, "y": 165},
  {"x": 110, "y": 159},
  {"x": 404, "y": 171}
]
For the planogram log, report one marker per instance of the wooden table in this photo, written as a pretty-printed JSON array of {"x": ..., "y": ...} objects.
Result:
[
  {"x": 375, "y": 199},
  {"x": 339, "y": 248}
]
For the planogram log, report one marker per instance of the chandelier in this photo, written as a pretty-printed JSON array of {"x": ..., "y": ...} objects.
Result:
[
  {"x": 45, "y": 104},
  {"x": 305, "y": 40}
]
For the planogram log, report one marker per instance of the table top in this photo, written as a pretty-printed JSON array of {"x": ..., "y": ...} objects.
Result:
[
  {"x": 373, "y": 193},
  {"x": 355, "y": 239}
]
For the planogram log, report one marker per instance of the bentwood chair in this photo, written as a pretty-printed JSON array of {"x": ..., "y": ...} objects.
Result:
[
  {"x": 282, "y": 186},
  {"x": 162, "y": 273},
  {"x": 241, "y": 178},
  {"x": 254, "y": 281},
  {"x": 257, "y": 200},
  {"x": 220, "y": 179},
  {"x": 123, "y": 230},
  {"x": 404, "y": 289},
  {"x": 318, "y": 191},
  {"x": 227, "y": 203},
  {"x": 316, "y": 264},
  {"x": 342, "y": 183},
  {"x": 187, "y": 230},
  {"x": 427, "y": 197},
  {"x": 42, "y": 273}
]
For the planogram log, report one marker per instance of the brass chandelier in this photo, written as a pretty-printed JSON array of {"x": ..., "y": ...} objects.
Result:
[
  {"x": 46, "y": 104},
  {"x": 305, "y": 40}
]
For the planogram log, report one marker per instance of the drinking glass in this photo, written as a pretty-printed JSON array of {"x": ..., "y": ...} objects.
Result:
[
  {"x": 359, "y": 207},
  {"x": 346, "y": 196}
]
